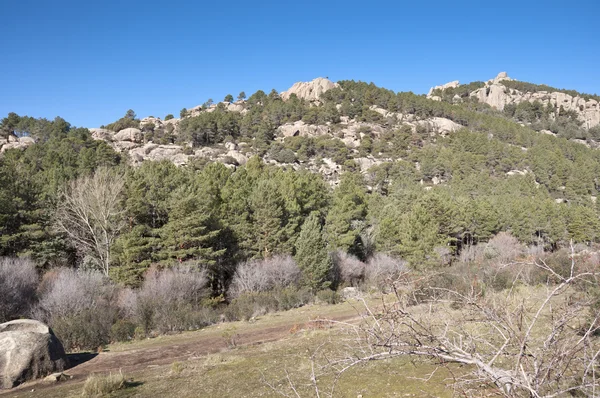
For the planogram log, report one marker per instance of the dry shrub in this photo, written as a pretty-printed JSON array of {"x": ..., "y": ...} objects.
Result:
[
  {"x": 382, "y": 270},
  {"x": 79, "y": 305},
  {"x": 103, "y": 385},
  {"x": 18, "y": 282},
  {"x": 503, "y": 248},
  {"x": 252, "y": 304},
  {"x": 169, "y": 299},
  {"x": 351, "y": 269},
  {"x": 254, "y": 276}
]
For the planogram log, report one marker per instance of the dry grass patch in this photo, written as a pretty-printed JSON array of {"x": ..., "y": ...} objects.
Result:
[{"x": 103, "y": 385}]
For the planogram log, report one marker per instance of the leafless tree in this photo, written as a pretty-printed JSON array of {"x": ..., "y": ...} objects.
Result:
[
  {"x": 382, "y": 270},
  {"x": 90, "y": 214}
]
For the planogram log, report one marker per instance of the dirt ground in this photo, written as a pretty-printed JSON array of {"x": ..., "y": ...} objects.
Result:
[{"x": 131, "y": 357}]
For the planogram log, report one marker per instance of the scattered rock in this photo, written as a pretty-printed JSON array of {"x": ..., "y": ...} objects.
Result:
[
  {"x": 302, "y": 129},
  {"x": 16, "y": 143},
  {"x": 56, "y": 377}
]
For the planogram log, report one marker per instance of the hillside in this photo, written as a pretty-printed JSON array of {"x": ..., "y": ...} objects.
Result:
[
  {"x": 489, "y": 166},
  {"x": 470, "y": 218}
]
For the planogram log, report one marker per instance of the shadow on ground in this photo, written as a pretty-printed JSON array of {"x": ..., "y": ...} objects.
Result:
[{"x": 80, "y": 357}]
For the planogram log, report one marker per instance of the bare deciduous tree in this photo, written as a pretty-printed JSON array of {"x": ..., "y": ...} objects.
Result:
[{"x": 90, "y": 214}]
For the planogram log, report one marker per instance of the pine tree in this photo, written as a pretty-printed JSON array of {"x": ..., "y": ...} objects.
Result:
[
  {"x": 268, "y": 215},
  {"x": 348, "y": 211},
  {"x": 192, "y": 232},
  {"x": 312, "y": 256}
]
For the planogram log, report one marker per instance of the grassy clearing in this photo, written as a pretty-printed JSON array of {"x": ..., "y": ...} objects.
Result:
[{"x": 247, "y": 370}]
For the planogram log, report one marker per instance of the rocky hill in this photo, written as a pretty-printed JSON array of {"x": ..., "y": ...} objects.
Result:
[
  {"x": 327, "y": 127},
  {"x": 135, "y": 142},
  {"x": 498, "y": 93}
]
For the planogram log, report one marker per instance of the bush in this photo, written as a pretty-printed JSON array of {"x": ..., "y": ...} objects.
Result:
[
  {"x": 79, "y": 305},
  {"x": 252, "y": 304},
  {"x": 18, "y": 282},
  {"x": 169, "y": 117},
  {"x": 103, "y": 385},
  {"x": 249, "y": 305},
  {"x": 284, "y": 156},
  {"x": 351, "y": 270},
  {"x": 276, "y": 272},
  {"x": 122, "y": 330},
  {"x": 169, "y": 299},
  {"x": 382, "y": 270},
  {"x": 289, "y": 298},
  {"x": 328, "y": 296},
  {"x": 503, "y": 248}
]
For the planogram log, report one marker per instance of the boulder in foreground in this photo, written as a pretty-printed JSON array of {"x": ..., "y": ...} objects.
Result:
[{"x": 28, "y": 350}]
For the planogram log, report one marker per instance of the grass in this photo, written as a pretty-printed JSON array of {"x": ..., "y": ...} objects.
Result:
[
  {"x": 103, "y": 385},
  {"x": 248, "y": 370}
]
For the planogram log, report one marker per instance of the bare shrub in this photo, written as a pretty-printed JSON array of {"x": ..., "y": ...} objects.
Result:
[
  {"x": 503, "y": 248},
  {"x": 169, "y": 298},
  {"x": 536, "y": 342},
  {"x": 276, "y": 272},
  {"x": 79, "y": 305},
  {"x": 471, "y": 254},
  {"x": 18, "y": 282},
  {"x": 382, "y": 270},
  {"x": 351, "y": 269}
]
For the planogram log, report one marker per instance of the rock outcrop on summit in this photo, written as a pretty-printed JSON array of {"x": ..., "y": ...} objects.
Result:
[
  {"x": 310, "y": 91},
  {"x": 498, "y": 95}
]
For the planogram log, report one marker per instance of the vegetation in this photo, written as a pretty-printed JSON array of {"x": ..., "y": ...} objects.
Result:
[
  {"x": 534, "y": 88},
  {"x": 87, "y": 239},
  {"x": 102, "y": 386}
]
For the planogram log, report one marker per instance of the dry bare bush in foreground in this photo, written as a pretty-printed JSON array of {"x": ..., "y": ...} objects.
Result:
[
  {"x": 524, "y": 341},
  {"x": 536, "y": 342},
  {"x": 80, "y": 305}
]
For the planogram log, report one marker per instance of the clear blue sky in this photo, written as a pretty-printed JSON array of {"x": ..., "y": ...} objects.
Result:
[{"x": 90, "y": 61}]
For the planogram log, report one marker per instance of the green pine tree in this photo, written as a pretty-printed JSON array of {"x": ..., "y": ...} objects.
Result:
[{"x": 312, "y": 256}]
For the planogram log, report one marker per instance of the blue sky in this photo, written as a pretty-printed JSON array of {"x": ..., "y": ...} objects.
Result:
[{"x": 90, "y": 61}]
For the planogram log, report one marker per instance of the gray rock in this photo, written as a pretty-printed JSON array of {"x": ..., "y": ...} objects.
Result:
[
  {"x": 302, "y": 129},
  {"x": 102, "y": 134},
  {"x": 310, "y": 91},
  {"x": 130, "y": 134},
  {"x": 28, "y": 350}
]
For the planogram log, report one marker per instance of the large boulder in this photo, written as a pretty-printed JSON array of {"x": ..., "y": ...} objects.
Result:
[
  {"x": 310, "y": 91},
  {"x": 129, "y": 134},
  {"x": 28, "y": 350}
]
